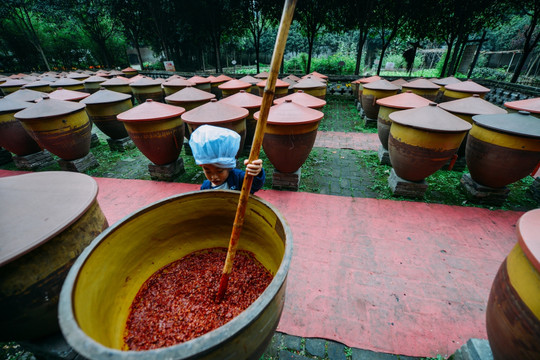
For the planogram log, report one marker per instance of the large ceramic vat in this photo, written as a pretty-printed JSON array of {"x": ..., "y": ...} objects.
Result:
[
  {"x": 251, "y": 103},
  {"x": 118, "y": 85},
  {"x": 301, "y": 98},
  {"x": 93, "y": 83},
  {"x": 388, "y": 105},
  {"x": 130, "y": 251},
  {"x": 216, "y": 82},
  {"x": 513, "y": 309},
  {"x": 52, "y": 217},
  {"x": 129, "y": 72},
  {"x": 463, "y": 89},
  {"x": 253, "y": 81},
  {"x": 173, "y": 85},
  {"x": 68, "y": 95},
  {"x": 156, "y": 129},
  {"x": 61, "y": 127},
  {"x": 232, "y": 87},
  {"x": 68, "y": 84},
  {"x": 26, "y": 95},
  {"x": 423, "y": 139},
  {"x": 12, "y": 85},
  {"x": 442, "y": 83},
  {"x": 39, "y": 85},
  {"x": 363, "y": 81},
  {"x": 221, "y": 114},
  {"x": 311, "y": 86},
  {"x": 281, "y": 90},
  {"x": 290, "y": 134},
  {"x": 502, "y": 149},
  {"x": 201, "y": 83},
  {"x": 423, "y": 88},
  {"x": 103, "y": 106},
  {"x": 372, "y": 92},
  {"x": 13, "y": 137},
  {"x": 146, "y": 88},
  {"x": 530, "y": 105}
]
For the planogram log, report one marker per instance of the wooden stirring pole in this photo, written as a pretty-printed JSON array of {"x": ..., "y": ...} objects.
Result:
[{"x": 268, "y": 97}]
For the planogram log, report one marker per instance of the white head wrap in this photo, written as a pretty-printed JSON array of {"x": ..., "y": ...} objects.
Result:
[{"x": 215, "y": 145}]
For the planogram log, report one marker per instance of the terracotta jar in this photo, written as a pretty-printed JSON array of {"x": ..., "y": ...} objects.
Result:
[
  {"x": 144, "y": 89},
  {"x": 422, "y": 87},
  {"x": 301, "y": 98},
  {"x": 149, "y": 239},
  {"x": 221, "y": 114},
  {"x": 93, "y": 83},
  {"x": 103, "y": 106},
  {"x": 201, "y": 83},
  {"x": 442, "y": 83},
  {"x": 39, "y": 85},
  {"x": 251, "y": 103},
  {"x": 503, "y": 148},
  {"x": 117, "y": 85},
  {"x": 423, "y": 139},
  {"x": 13, "y": 137},
  {"x": 311, "y": 86},
  {"x": 78, "y": 76},
  {"x": 388, "y": 105},
  {"x": 173, "y": 85},
  {"x": 262, "y": 75},
  {"x": 12, "y": 85},
  {"x": 175, "y": 76},
  {"x": 282, "y": 88},
  {"x": 463, "y": 89},
  {"x": 253, "y": 81},
  {"x": 530, "y": 105},
  {"x": 3, "y": 79},
  {"x": 114, "y": 73},
  {"x": 156, "y": 129},
  {"x": 363, "y": 81},
  {"x": 399, "y": 82},
  {"x": 372, "y": 92},
  {"x": 26, "y": 95},
  {"x": 61, "y": 127},
  {"x": 68, "y": 95},
  {"x": 68, "y": 84},
  {"x": 215, "y": 84},
  {"x": 319, "y": 75},
  {"x": 52, "y": 217},
  {"x": 291, "y": 83},
  {"x": 513, "y": 309},
  {"x": 466, "y": 108},
  {"x": 292, "y": 77},
  {"x": 290, "y": 134},
  {"x": 233, "y": 86},
  {"x": 130, "y": 72}
]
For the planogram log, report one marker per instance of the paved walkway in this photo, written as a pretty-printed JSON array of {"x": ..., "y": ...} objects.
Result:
[{"x": 347, "y": 140}]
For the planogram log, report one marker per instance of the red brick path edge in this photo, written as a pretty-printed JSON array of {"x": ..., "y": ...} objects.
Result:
[{"x": 389, "y": 276}]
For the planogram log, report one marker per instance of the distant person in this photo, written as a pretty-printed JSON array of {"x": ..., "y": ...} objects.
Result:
[{"x": 214, "y": 149}]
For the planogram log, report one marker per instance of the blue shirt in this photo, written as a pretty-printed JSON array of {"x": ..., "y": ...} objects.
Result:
[{"x": 236, "y": 179}]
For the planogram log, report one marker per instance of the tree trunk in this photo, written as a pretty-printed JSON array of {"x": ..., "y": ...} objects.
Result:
[
  {"x": 477, "y": 54},
  {"x": 449, "y": 45},
  {"x": 218, "y": 54},
  {"x": 359, "y": 48},
  {"x": 139, "y": 56},
  {"x": 311, "y": 40}
]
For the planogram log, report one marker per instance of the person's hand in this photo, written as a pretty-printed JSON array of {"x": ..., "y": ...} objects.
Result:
[{"x": 254, "y": 168}]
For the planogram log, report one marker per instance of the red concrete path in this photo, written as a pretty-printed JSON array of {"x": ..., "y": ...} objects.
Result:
[{"x": 389, "y": 276}]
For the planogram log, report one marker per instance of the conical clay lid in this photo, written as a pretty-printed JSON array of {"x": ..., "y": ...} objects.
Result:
[
  {"x": 104, "y": 96},
  {"x": 214, "y": 112},
  {"x": 432, "y": 118},
  {"x": 234, "y": 84},
  {"x": 190, "y": 94},
  {"x": 406, "y": 100},
  {"x": 289, "y": 113},
  {"x": 530, "y": 105},
  {"x": 472, "y": 105},
  {"x": 468, "y": 86},
  {"x": 521, "y": 123},
  {"x": 301, "y": 98},
  {"x": 8, "y": 106},
  {"x": 26, "y": 95},
  {"x": 48, "y": 108},
  {"x": 150, "y": 111},
  {"x": 382, "y": 84},
  {"x": 243, "y": 99},
  {"x": 68, "y": 95},
  {"x": 421, "y": 84}
]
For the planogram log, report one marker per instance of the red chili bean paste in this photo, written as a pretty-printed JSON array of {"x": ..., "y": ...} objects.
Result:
[{"x": 177, "y": 303}]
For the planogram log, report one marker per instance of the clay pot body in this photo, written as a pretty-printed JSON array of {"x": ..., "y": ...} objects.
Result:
[
  {"x": 219, "y": 114},
  {"x": 423, "y": 88},
  {"x": 129, "y": 72},
  {"x": 13, "y": 137},
  {"x": 117, "y": 85},
  {"x": 53, "y": 216},
  {"x": 41, "y": 86},
  {"x": 281, "y": 90},
  {"x": 156, "y": 129},
  {"x": 232, "y": 87},
  {"x": 145, "y": 89},
  {"x": 513, "y": 312},
  {"x": 201, "y": 83},
  {"x": 372, "y": 92},
  {"x": 363, "y": 81},
  {"x": 147, "y": 240},
  {"x": 253, "y": 81},
  {"x": 251, "y": 103},
  {"x": 174, "y": 85},
  {"x": 93, "y": 83},
  {"x": 311, "y": 86},
  {"x": 422, "y": 140},
  {"x": 388, "y": 105},
  {"x": 61, "y": 127},
  {"x": 502, "y": 149},
  {"x": 103, "y": 106},
  {"x": 290, "y": 133},
  {"x": 462, "y": 90},
  {"x": 215, "y": 84}
]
